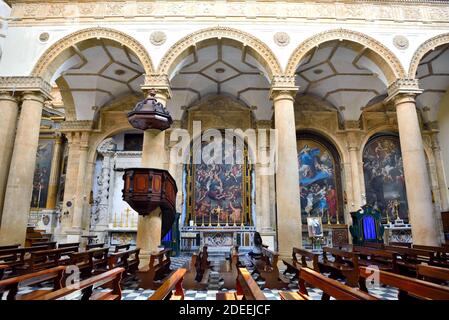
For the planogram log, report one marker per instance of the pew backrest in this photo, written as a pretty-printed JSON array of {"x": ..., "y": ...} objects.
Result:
[
  {"x": 9, "y": 246},
  {"x": 247, "y": 287},
  {"x": 330, "y": 287},
  {"x": 431, "y": 273},
  {"x": 120, "y": 247},
  {"x": 49, "y": 244},
  {"x": 66, "y": 245},
  {"x": 414, "y": 287},
  {"x": 11, "y": 285},
  {"x": 305, "y": 257},
  {"x": 173, "y": 282},
  {"x": 94, "y": 245},
  {"x": 89, "y": 285}
]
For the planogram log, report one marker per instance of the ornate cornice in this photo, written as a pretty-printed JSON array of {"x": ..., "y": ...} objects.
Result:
[
  {"x": 25, "y": 84},
  {"x": 403, "y": 86},
  {"x": 394, "y": 70},
  {"x": 269, "y": 60},
  {"x": 25, "y": 11},
  {"x": 76, "y": 126},
  {"x": 40, "y": 69}
]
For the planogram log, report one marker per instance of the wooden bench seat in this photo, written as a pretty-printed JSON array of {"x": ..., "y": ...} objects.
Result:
[
  {"x": 433, "y": 274},
  {"x": 229, "y": 268},
  {"x": 330, "y": 288},
  {"x": 88, "y": 286},
  {"x": 247, "y": 288},
  {"x": 173, "y": 282},
  {"x": 441, "y": 255},
  {"x": 43, "y": 259},
  {"x": 302, "y": 258},
  {"x": 409, "y": 288},
  {"x": 128, "y": 259},
  {"x": 267, "y": 267},
  {"x": 158, "y": 270},
  {"x": 15, "y": 257},
  {"x": 382, "y": 259},
  {"x": 11, "y": 285},
  {"x": 99, "y": 259},
  {"x": 345, "y": 265},
  {"x": 407, "y": 259},
  {"x": 122, "y": 247}
]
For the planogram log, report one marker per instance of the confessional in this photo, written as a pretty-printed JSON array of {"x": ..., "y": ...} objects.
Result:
[{"x": 366, "y": 226}]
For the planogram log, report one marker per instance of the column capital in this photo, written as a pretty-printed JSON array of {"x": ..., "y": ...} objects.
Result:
[
  {"x": 403, "y": 87},
  {"x": 8, "y": 96},
  {"x": 283, "y": 86},
  {"x": 26, "y": 84},
  {"x": 159, "y": 83}
]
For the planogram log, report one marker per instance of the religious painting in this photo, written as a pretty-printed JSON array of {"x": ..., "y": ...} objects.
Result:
[
  {"x": 384, "y": 177},
  {"x": 42, "y": 173},
  {"x": 133, "y": 142},
  {"x": 315, "y": 227},
  {"x": 319, "y": 180},
  {"x": 220, "y": 191}
]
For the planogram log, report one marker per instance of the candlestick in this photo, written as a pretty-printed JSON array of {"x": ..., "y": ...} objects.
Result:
[{"x": 127, "y": 217}]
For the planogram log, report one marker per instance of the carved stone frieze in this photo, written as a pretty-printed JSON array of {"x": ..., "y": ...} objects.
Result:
[{"x": 34, "y": 84}]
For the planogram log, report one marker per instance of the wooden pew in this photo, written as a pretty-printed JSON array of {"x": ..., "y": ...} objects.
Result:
[
  {"x": 409, "y": 288},
  {"x": 268, "y": 269},
  {"x": 83, "y": 261},
  {"x": 441, "y": 255},
  {"x": 98, "y": 259},
  {"x": 204, "y": 258},
  {"x": 374, "y": 245},
  {"x": 400, "y": 244},
  {"x": 301, "y": 258},
  {"x": 344, "y": 266},
  {"x": 17, "y": 257},
  {"x": 10, "y": 246},
  {"x": 229, "y": 268},
  {"x": 158, "y": 270},
  {"x": 433, "y": 274},
  {"x": 66, "y": 245},
  {"x": 407, "y": 259},
  {"x": 94, "y": 245},
  {"x": 11, "y": 285},
  {"x": 196, "y": 278},
  {"x": 88, "y": 286},
  {"x": 49, "y": 244},
  {"x": 43, "y": 259},
  {"x": 120, "y": 247},
  {"x": 247, "y": 288},
  {"x": 129, "y": 260},
  {"x": 173, "y": 282},
  {"x": 330, "y": 288},
  {"x": 382, "y": 259}
]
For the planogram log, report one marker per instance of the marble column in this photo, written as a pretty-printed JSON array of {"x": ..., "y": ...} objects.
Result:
[
  {"x": 149, "y": 227},
  {"x": 54, "y": 173},
  {"x": 421, "y": 214},
  {"x": 289, "y": 229},
  {"x": 16, "y": 206},
  {"x": 9, "y": 110},
  {"x": 80, "y": 196},
  {"x": 441, "y": 175}
]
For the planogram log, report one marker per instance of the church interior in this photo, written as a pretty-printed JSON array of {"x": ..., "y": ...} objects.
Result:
[{"x": 224, "y": 150}]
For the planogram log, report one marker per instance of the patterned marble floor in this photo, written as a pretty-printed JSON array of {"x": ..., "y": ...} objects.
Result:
[{"x": 132, "y": 292}]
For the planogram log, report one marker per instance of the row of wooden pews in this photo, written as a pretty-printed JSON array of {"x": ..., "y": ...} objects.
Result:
[{"x": 355, "y": 265}]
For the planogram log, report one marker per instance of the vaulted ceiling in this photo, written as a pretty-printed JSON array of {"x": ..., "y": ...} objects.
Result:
[
  {"x": 433, "y": 75},
  {"x": 341, "y": 73},
  {"x": 215, "y": 67},
  {"x": 98, "y": 72}
]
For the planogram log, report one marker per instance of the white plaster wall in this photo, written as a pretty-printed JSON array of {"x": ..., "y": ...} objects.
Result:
[
  {"x": 22, "y": 47},
  {"x": 5, "y": 10}
]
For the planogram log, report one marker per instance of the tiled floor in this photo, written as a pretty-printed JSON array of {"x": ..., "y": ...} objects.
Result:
[{"x": 132, "y": 292}]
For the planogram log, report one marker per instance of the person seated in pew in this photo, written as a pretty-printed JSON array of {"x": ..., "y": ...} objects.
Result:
[{"x": 256, "y": 251}]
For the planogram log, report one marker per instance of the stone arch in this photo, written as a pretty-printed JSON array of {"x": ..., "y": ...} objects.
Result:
[
  {"x": 258, "y": 48},
  {"x": 55, "y": 53},
  {"x": 424, "y": 48},
  {"x": 386, "y": 128},
  {"x": 386, "y": 59}
]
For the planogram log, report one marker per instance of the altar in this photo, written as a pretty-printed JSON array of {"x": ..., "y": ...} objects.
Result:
[{"x": 217, "y": 238}]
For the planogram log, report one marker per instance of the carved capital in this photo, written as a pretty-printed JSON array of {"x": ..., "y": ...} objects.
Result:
[
  {"x": 157, "y": 82},
  {"x": 26, "y": 84},
  {"x": 283, "y": 85},
  {"x": 401, "y": 87}
]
